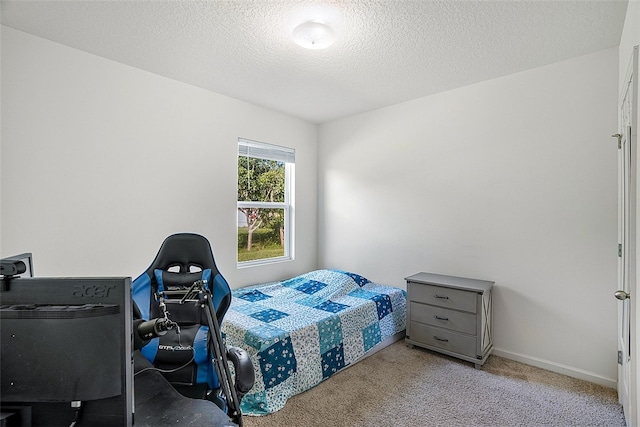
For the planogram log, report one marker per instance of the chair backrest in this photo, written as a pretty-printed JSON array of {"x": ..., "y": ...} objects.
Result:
[
  {"x": 182, "y": 259},
  {"x": 186, "y": 254}
]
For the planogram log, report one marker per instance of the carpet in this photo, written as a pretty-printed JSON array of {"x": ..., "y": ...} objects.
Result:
[{"x": 401, "y": 386}]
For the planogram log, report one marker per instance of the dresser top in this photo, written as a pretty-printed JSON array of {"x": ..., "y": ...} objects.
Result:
[{"x": 451, "y": 281}]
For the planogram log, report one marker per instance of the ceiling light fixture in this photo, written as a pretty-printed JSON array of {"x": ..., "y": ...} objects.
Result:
[{"x": 313, "y": 35}]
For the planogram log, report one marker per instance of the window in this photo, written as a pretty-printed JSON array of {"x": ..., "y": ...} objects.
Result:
[{"x": 265, "y": 224}]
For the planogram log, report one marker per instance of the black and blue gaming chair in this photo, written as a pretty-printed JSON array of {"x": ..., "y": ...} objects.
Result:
[{"x": 182, "y": 354}]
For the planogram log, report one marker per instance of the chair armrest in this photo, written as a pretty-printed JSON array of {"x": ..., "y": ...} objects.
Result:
[{"x": 245, "y": 376}]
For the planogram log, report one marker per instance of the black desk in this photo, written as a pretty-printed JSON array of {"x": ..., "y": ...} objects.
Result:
[{"x": 158, "y": 404}]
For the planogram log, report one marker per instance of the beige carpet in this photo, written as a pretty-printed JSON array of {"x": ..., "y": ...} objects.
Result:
[{"x": 400, "y": 386}]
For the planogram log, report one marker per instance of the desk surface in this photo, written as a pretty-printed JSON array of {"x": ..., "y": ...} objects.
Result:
[{"x": 158, "y": 404}]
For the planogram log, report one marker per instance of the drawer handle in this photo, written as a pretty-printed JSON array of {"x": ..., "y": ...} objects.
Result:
[
  {"x": 441, "y": 318},
  {"x": 440, "y": 339},
  {"x": 440, "y": 297}
]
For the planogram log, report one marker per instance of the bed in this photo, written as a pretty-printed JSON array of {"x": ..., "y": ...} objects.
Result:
[{"x": 301, "y": 331}]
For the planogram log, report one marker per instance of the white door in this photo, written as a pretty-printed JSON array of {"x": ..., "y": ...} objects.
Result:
[{"x": 627, "y": 144}]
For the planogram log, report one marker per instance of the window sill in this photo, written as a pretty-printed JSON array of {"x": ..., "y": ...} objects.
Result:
[{"x": 259, "y": 262}]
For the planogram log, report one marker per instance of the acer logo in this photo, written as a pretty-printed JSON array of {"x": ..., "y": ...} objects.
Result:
[{"x": 93, "y": 291}]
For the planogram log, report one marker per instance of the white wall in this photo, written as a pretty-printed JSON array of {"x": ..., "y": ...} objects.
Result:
[
  {"x": 630, "y": 38},
  {"x": 511, "y": 180},
  {"x": 101, "y": 161},
  {"x": 1, "y": 97}
]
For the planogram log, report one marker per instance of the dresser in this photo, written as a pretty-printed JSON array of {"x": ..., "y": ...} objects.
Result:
[{"x": 451, "y": 315}]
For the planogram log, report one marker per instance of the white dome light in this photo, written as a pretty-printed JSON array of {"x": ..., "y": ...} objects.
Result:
[{"x": 313, "y": 35}]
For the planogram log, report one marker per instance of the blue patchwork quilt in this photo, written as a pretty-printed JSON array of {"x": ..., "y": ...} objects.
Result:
[{"x": 300, "y": 331}]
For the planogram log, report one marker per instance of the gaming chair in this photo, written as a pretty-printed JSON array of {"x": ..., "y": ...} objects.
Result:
[{"x": 183, "y": 353}]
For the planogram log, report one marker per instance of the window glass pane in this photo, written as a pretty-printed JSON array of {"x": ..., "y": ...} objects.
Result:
[
  {"x": 265, "y": 179},
  {"x": 260, "y": 233},
  {"x": 260, "y": 180}
]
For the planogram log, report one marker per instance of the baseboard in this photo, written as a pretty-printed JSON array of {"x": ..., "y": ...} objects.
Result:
[{"x": 558, "y": 368}]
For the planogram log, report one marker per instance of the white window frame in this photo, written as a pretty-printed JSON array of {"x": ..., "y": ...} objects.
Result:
[{"x": 261, "y": 150}]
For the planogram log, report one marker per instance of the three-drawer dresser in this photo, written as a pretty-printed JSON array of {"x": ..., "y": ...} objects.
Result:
[{"x": 451, "y": 315}]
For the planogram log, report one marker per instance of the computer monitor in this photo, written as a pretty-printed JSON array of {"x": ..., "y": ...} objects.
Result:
[{"x": 66, "y": 351}]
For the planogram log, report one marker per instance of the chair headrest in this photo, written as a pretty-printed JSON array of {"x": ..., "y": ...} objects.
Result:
[{"x": 184, "y": 253}]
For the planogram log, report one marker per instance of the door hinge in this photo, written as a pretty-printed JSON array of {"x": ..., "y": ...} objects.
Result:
[
  {"x": 620, "y": 250},
  {"x": 619, "y": 357}
]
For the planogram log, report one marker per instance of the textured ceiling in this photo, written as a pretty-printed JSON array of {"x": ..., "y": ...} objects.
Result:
[{"x": 387, "y": 51}]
